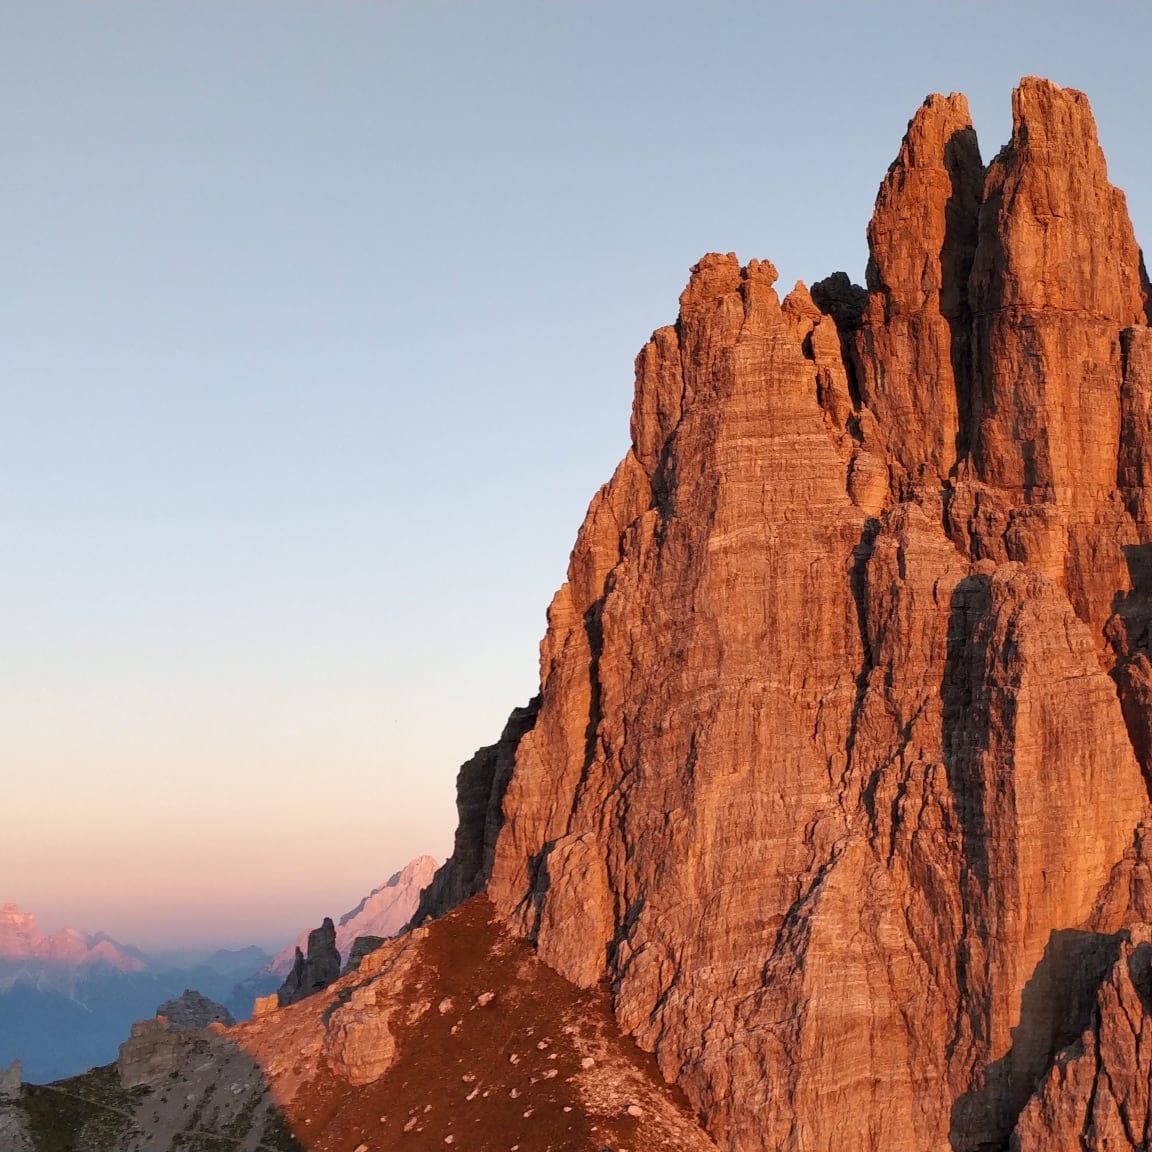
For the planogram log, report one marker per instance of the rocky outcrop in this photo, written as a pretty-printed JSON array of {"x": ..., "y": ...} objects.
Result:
[
  {"x": 480, "y": 786},
  {"x": 14, "y": 1130},
  {"x": 452, "y": 1034},
  {"x": 192, "y": 1010},
  {"x": 840, "y": 752},
  {"x": 315, "y": 959},
  {"x": 172, "y": 1089},
  {"x": 1096, "y": 1095},
  {"x": 150, "y": 1053},
  {"x": 360, "y": 1043},
  {"x": 380, "y": 915},
  {"x": 361, "y": 946},
  {"x": 10, "y": 1080},
  {"x": 314, "y": 971},
  {"x": 455, "y": 1033}
]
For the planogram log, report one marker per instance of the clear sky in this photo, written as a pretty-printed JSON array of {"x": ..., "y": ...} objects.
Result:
[{"x": 316, "y": 335}]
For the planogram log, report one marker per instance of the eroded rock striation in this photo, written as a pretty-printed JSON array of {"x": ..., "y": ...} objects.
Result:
[{"x": 838, "y": 768}]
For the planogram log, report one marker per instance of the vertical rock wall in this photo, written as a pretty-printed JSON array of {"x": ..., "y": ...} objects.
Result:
[{"x": 836, "y": 767}]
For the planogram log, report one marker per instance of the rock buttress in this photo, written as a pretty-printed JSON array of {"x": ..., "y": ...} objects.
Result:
[{"x": 830, "y": 776}]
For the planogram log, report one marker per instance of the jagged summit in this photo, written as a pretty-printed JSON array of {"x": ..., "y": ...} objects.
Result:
[
  {"x": 22, "y": 942},
  {"x": 860, "y": 613}
]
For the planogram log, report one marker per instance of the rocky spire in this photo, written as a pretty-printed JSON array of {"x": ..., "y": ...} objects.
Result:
[
  {"x": 316, "y": 970},
  {"x": 1055, "y": 280},
  {"x": 841, "y": 624},
  {"x": 829, "y": 779},
  {"x": 913, "y": 346}
]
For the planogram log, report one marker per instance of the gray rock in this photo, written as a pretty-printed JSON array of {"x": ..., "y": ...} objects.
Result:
[
  {"x": 192, "y": 1010},
  {"x": 361, "y": 946},
  {"x": 10, "y": 1081},
  {"x": 314, "y": 972},
  {"x": 149, "y": 1054},
  {"x": 14, "y": 1133}
]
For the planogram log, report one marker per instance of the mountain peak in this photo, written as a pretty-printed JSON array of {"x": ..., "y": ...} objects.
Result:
[
  {"x": 22, "y": 940},
  {"x": 864, "y": 610},
  {"x": 382, "y": 913}
]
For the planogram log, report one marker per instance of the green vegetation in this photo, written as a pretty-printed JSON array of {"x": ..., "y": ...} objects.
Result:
[
  {"x": 93, "y": 1113},
  {"x": 277, "y": 1133},
  {"x": 87, "y": 1112}
]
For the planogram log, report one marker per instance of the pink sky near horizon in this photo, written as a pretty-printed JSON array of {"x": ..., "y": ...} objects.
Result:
[
  {"x": 239, "y": 840},
  {"x": 189, "y": 835},
  {"x": 160, "y": 916}
]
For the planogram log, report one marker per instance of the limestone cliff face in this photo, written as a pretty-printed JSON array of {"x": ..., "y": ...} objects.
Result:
[{"x": 840, "y": 752}]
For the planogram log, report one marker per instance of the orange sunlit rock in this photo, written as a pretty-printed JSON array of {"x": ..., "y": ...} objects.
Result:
[{"x": 829, "y": 757}]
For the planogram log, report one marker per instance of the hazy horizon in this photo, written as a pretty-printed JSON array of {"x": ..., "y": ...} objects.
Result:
[
  {"x": 318, "y": 336},
  {"x": 223, "y": 935}
]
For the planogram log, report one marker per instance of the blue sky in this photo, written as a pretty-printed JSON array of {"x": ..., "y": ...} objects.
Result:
[{"x": 316, "y": 333}]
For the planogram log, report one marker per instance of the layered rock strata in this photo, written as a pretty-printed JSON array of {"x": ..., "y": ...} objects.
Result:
[{"x": 842, "y": 741}]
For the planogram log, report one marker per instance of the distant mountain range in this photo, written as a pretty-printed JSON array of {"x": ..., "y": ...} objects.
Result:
[
  {"x": 382, "y": 913},
  {"x": 68, "y": 999},
  {"x": 24, "y": 948}
]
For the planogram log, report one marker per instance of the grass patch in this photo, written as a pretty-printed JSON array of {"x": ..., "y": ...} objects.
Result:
[
  {"x": 277, "y": 1133},
  {"x": 82, "y": 1112}
]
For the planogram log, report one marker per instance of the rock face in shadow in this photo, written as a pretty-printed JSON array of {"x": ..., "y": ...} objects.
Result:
[
  {"x": 1096, "y": 1094},
  {"x": 192, "y": 1010},
  {"x": 313, "y": 972},
  {"x": 480, "y": 788},
  {"x": 170, "y": 1088},
  {"x": 912, "y": 347},
  {"x": 840, "y": 751},
  {"x": 360, "y": 948}
]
